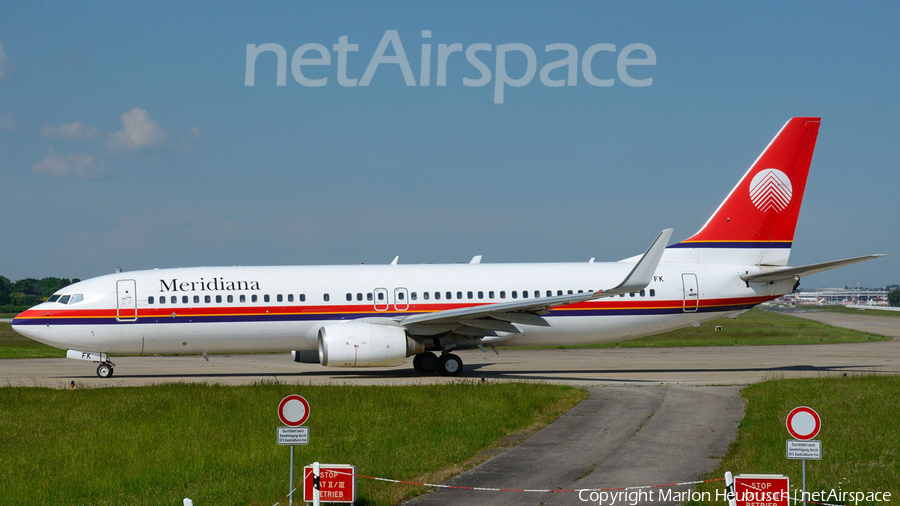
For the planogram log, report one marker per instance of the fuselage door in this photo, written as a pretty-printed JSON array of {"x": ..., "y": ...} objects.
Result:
[
  {"x": 691, "y": 292},
  {"x": 126, "y": 300},
  {"x": 381, "y": 299},
  {"x": 401, "y": 299}
]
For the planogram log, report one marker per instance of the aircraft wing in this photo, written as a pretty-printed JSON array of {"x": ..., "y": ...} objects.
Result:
[
  {"x": 803, "y": 270},
  {"x": 527, "y": 311}
]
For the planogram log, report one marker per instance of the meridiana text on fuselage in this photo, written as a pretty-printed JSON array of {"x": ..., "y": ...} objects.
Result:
[{"x": 215, "y": 284}]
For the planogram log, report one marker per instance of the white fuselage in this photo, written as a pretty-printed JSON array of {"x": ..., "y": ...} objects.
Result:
[{"x": 245, "y": 309}]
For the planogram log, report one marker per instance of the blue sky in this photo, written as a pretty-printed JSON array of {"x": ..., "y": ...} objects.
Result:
[{"x": 128, "y": 136}]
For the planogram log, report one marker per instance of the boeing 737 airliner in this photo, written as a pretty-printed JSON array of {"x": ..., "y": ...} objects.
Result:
[{"x": 378, "y": 315}]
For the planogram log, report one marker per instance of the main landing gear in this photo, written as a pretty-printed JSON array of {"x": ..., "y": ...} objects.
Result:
[{"x": 447, "y": 365}]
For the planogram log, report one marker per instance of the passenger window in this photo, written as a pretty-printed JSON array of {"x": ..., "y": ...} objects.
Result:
[
  {"x": 173, "y": 299},
  {"x": 549, "y": 293},
  {"x": 218, "y": 299},
  {"x": 642, "y": 293},
  {"x": 412, "y": 296},
  {"x": 502, "y": 294},
  {"x": 279, "y": 298},
  {"x": 207, "y": 299},
  {"x": 162, "y": 300},
  {"x": 326, "y": 297},
  {"x": 359, "y": 296},
  {"x": 480, "y": 295},
  {"x": 253, "y": 298},
  {"x": 196, "y": 299},
  {"x": 652, "y": 292},
  {"x": 515, "y": 294},
  {"x": 437, "y": 295},
  {"x": 491, "y": 294},
  {"x": 230, "y": 299},
  {"x": 149, "y": 300},
  {"x": 400, "y": 295},
  {"x": 449, "y": 295},
  {"x": 570, "y": 292},
  {"x": 469, "y": 295},
  {"x": 349, "y": 297},
  {"x": 621, "y": 295},
  {"x": 631, "y": 294},
  {"x": 580, "y": 291},
  {"x": 290, "y": 297},
  {"x": 302, "y": 297},
  {"x": 243, "y": 298},
  {"x": 184, "y": 299},
  {"x": 425, "y": 295},
  {"x": 380, "y": 295},
  {"x": 266, "y": 298},
  {"x": 369, "y": 296},
  {"x": 559, "y": 292}
]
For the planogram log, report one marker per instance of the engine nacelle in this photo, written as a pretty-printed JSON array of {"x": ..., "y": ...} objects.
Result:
[
  {"x": 357, "y": 344},
  {"x": 305, "y": 356}
]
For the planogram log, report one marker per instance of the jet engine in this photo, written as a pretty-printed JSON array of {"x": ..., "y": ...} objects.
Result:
[{"x": 358, "y": 344}]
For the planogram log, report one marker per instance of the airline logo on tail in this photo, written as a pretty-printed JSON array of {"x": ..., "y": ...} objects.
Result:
[{"x": 770, "y": 189}]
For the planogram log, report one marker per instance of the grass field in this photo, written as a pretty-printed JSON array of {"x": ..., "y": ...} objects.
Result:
[
  {"x": 860, "y": 434},
  {"x": 216, "y": 445},
  {"x": 847, "y": 310},
  {"x": 755, "y": 327}
]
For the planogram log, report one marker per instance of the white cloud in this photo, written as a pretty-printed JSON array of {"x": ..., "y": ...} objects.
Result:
[
  {"x": 9, "y": 122},
  {"x": 140, "y": 131},
  {"x": 7, "y": 66},
  {"x": 76, "y": 164},
  {"x": 71, "y": 131}
]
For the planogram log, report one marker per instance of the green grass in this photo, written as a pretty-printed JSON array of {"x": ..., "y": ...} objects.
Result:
[
  {"x": 13, "y": 345},
  {"x": 847, "y": 310},
  {"x": 860, "y": 434},
  {"x": 216, "y": 444},
  {"x": 753, "y": 328}
]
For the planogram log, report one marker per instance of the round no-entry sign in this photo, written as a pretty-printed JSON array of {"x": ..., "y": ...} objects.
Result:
[
  {"x": 803, "y": 423},
  {"x": 293, "y": 410}
]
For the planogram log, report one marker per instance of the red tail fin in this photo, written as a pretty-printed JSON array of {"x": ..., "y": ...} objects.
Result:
[{"x": 761, "y": 211}]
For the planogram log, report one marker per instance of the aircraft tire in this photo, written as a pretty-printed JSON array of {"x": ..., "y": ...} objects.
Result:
[
  {"x": 449, "y": 365},
  {"x": 104, "y": 371},
  {"x": 425, "y": 363}
]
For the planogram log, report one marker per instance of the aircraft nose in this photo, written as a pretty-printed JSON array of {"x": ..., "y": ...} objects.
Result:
[{"x": 29, "y": 331}]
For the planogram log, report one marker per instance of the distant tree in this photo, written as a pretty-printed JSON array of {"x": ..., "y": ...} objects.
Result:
[{"x": 894, "y": 297}]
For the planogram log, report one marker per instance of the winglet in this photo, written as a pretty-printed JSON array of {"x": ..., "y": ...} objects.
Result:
[{"x": 642, "y": 273}]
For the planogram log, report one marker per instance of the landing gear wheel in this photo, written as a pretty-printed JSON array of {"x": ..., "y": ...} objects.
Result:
[
  {"x": 104, "y": 371},
  {"x": 425, "y": 363},
  {"x": 449, "y": 365}
]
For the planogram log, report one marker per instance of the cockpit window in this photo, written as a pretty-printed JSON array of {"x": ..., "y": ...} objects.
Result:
[
  {"x": 53, "y": 298},
  {"x": 76, "y": 298},
  {"x": 64, "y": 299}
]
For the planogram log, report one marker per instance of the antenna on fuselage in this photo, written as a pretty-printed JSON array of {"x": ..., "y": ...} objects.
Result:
[
  {"x": 394, "y": 261},
  {"x": 118, "y": 269}
]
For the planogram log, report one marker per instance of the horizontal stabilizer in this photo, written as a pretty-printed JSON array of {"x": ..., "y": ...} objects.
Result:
[{"x": 804, "y": 270}]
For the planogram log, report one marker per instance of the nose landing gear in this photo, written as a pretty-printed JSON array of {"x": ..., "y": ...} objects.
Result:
[{"x": 105, "y": 370}]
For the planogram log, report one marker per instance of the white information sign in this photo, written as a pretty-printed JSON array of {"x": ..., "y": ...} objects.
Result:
[
  {"x": 808, "y": 450},
  {"x": 293, "y": 435}
]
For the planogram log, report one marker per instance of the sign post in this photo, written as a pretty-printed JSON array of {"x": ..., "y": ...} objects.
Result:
[
  {"x": 803, "y": 424},
  {"x": 293, "y": 411}
]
